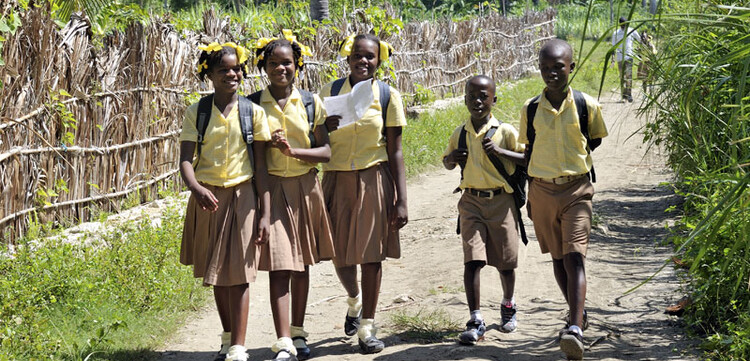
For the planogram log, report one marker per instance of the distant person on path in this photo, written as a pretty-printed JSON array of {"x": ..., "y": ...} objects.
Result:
[
  {"x": 624, "y": 56},
  {"x": 365, "y": 185},
  {"x": 560, "y": 127},
  {"x": 487, "y": 214},
  {"x": 229, "y": 208},
  {"x": 300, "y": 226}
]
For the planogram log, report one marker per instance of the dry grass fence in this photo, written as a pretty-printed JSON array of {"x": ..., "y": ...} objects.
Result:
[{"x": 83, "y": 125}]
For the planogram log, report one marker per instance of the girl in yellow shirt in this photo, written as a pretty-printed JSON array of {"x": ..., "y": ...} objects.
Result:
[
  {"x": 365, "y": 188},
  {"x": 300, "y": 226},
  {"x": 222, "y": 224}
]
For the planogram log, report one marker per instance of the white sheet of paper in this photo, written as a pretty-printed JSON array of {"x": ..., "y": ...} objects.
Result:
[{"x": 351, "y": 106}]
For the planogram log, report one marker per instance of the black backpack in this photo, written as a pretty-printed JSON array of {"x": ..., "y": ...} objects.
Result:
[
  {"x": 308, "y": 100},
  {"x": 517, "y": 181},
  {"x": 583, "y": 121},
  {"x": 246, "y": 123},
  {"x": 385, "y": 96}
]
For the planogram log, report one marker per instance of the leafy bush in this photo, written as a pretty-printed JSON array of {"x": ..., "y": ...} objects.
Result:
[{"x": 68, "y": 300}]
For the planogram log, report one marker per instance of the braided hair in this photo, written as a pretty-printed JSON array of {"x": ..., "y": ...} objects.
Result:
[
  {"x": 266, "y": 51},
  {"x": 211, "y": 59}
]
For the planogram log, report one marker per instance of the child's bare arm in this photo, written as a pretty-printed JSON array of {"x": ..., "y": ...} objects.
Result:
[
  {"x": 203, "y": 196},
  {"x": 319, "y": 154},
  {"x": 261, "y": 187},
  {"x": 491, "y": 147}
]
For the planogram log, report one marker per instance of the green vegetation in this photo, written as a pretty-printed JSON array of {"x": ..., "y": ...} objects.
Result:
[
  {"x": 700, "y": 108},
  {"x": 426, "y": 325},
  {"x": 112, "y": 297}
]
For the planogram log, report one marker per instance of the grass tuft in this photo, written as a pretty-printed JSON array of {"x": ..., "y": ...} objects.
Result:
[{"x": 426, "y": 325}]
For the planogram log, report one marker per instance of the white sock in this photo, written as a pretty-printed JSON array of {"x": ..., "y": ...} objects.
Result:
[
  {"x": 476, "y": 315},
  {"x": 237, "y": 353},
  {"x": 226, "y": 341},
  {"x": 367, "y": 329},
  {"x": 355, "y": 305},
  {"x": 284, "y": 343},
  {"x": 508, "y": 302},
  {"x": 576, "y": 329}
]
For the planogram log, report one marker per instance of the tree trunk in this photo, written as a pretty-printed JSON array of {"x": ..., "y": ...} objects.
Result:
[
  {"x": 319, "y": 9},
  {"x": 611, "y": 12}
]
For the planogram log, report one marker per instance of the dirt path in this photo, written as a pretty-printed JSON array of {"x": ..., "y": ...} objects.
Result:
[{"x": 625, "y": 249}]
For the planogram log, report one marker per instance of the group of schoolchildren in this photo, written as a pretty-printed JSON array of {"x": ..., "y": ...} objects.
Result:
[{"x": 257, "y": 204}]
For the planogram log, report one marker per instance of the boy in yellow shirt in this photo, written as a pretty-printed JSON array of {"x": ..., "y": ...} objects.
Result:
[
  {"x": 487, "y": 214},
  {"x": 561, "y": 126}
]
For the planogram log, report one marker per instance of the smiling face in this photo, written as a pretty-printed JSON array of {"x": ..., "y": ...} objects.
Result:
[
  {"x": 363, "y": 60},
  {"x": 226, "y": 75},
  {"x": 480, "y": 97},
  {"x": 280, "y": 66},
  {"x": 555, "y": 64}
]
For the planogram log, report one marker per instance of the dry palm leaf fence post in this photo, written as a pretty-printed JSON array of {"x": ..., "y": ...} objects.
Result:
[{"x": 84, "y": 125}]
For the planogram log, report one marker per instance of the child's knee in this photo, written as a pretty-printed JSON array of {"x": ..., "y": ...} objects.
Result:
[{"x": 474, "y": 265}]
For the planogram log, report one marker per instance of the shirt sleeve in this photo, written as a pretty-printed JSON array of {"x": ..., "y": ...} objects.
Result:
[
  {"x": 395, "y": 116},
  {"x": 189, "y": 129},
  {"x": 523, "y": 124},
  {"x": 511, "y": 140},
  {"x": 261, "y": 130},
  {"x": 320, "y": 111},
  {"x": 452, "y": 141},
  {"x": 597, "y": 128}
]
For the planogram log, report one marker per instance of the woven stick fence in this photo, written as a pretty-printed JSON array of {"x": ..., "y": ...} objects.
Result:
[{"x": 84, "y": 125}]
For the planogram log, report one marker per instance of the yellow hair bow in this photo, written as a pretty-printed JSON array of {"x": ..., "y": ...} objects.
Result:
[
  {"x": 242, "y": 53},
  {"x": 210, "y": 48},
  {"x": 385, "y": 50},
  {"x": 262, "y": 42},
  {"x": 346, "y": 46},
  {"x": 288, "y": 35}
]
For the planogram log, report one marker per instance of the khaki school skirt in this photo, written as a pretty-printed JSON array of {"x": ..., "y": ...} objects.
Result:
[
  {"x": 300, "y": 226},
  {"x": 220, "y": 245},
  {"x": 360, "y": 203}
]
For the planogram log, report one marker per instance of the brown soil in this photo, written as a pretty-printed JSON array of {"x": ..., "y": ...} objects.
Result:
[{"x": 626, "y": 247}]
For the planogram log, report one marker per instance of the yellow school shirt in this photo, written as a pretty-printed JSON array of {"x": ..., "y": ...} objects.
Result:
[
  {"x": 479, "y": 172},
  {"x": 559, "y": 146},
  {"x": 224, "y": 161},
  {"x": 361, "y": 145},
  {"x": 293, "y": 119}
]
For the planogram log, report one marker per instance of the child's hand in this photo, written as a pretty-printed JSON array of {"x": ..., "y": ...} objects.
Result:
[
  {"x": 332, "y": 122},
  {"x": 279, "y": 141},
  {"x": 264, "y": 229},
  {"x": 458, "y": 156},
  {"x": 205, "y": 198},
  {"x": 490, "y": 147},
  {"x": 400, "y": 216}
]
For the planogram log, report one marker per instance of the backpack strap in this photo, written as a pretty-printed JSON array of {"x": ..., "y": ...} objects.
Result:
[
  {"x": 246, "y": 125},
  {"x": 336, "y": 86},
  {"x": 205, "y": 105},
  {"x": 385, "y": 100},
  {"x": 530, "y": 131},
  {"x": 583, "y": 122},
  {"x": 462, "y": 145},
  {"x": 518, "y": 202},
  {"x": 255, "y": 97},
  {"x": 309, "y": 101}
]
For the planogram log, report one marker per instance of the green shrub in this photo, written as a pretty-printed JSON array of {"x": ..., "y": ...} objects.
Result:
[{"x": 64, "y": 300}]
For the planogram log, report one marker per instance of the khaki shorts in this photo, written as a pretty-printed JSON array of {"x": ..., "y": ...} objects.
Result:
[
  {"x": 562, "y": 215},
  {"x": 488, "y": 230}
]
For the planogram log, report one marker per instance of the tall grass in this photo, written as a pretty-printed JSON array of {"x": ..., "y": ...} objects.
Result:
[{"x": 698, "y": 109}]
